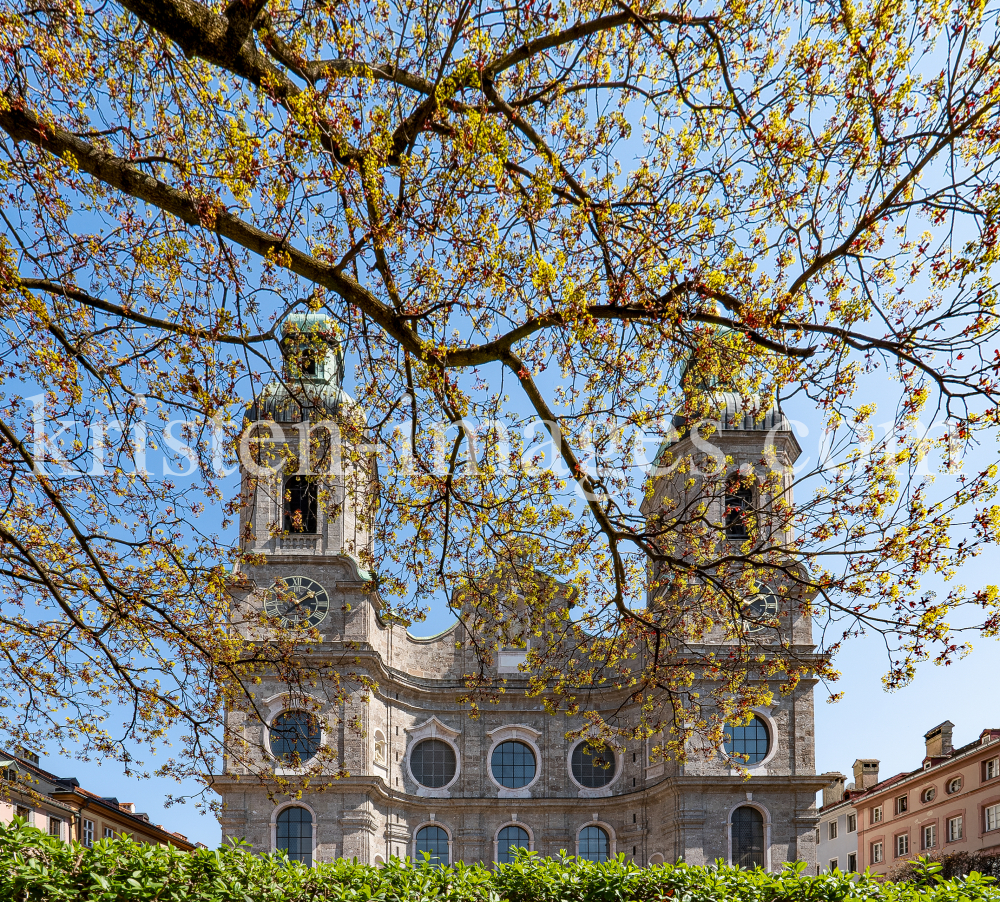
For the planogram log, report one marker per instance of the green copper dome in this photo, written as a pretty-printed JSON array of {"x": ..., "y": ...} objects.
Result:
[{"x": 311, "y": 384}]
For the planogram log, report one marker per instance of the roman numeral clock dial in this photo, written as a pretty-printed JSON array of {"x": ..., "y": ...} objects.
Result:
[{"x": 297, "y": 601}]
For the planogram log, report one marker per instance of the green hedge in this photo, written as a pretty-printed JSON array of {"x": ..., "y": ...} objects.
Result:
[{"x": 34, "y": 866}]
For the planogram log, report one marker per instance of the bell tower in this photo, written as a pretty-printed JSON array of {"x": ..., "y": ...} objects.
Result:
[
  {"x": 721, "y": 497},
  {"x": 306, "y": 484}
]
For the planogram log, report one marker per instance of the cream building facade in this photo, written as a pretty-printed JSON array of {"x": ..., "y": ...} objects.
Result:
[{"x": 416, "y": 773}]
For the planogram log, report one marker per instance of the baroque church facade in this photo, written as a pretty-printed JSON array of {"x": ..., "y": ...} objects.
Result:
[{"x": 411, "y": 772}]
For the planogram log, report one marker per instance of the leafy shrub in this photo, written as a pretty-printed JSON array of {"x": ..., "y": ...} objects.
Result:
[
  {"x": 35, "y": 867},
  {"x": 954, "y": 864}
]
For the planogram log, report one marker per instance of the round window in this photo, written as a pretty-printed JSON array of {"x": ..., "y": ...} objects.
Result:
[
  {"x": 593, "y": 765},
  {"x": 295, "y": 736},
  {"x": 929, "y": 793},
  {"x": 955, "y": 784},
  {"x": 432, "y": 763},
  {"x": 513, "y": 764},
  {"x": 748, "y": 743}
]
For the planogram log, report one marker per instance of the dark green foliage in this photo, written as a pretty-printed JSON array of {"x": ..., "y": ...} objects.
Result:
[
  {"x": 35, "y": 867},
  {"x": 954, "y": 864}
]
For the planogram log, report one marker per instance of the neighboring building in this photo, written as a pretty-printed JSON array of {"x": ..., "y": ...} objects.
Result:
[
  {"x": 61, "y": 808},
  {"x": 837, "y": 831},
  {"x": 950, "y": 804},
  {"x": 424, "y": 776}
]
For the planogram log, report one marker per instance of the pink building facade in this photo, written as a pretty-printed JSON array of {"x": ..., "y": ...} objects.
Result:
[{"x": 951, "y": 804}]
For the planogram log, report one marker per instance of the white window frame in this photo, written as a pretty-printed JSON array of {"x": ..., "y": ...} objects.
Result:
[
  {"x": 109, "y": 832},
  {"x": 991, "y": 768},
  {"x": 607, "y": 828},
  {"x": 518, "y": 732},
  {"x": 929, "y": 836},
  {"x": 589, "y": 792},
  {"x": 767, "y": 831},
  {"x": 954, "y": 785},
  {"x": 955, "y": 828},
  {"x": 876, "y": 814},
  {"x": 834, "y": 864},
  {"x": 58, "y": 821},
  {"x": 433, "y": 729},
  {"x": 901, "y": 804},
  {"x": 991, "y": 817},
  {"x": 496, "y": 837},
  {"x": 87, "y": 832},
  {"x": 448, "y": 833},
  {"x": 901, "y": 844},
  {"x": 877, "y": 852},
  {"x": 295, "y": 803}
]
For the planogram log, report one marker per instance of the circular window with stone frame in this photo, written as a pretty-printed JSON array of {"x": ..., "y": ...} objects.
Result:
[
  {"x": 928, "y": 795},
  {"x": 954, "y": 785},
  {"x": 433, "y": 763}
]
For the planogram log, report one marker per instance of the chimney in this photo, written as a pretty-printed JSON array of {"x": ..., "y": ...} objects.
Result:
[
  {"x": 938, "y": 740},
  {"x": 833, "y": 792},
  {"x": 865, "y": 773}
]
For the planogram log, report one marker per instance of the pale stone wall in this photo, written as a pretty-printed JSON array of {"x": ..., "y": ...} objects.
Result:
[{"x": 651, "y": 811}]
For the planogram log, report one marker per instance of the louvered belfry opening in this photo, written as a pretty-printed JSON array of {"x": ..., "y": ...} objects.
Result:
[{"x": 748, "y": 838}]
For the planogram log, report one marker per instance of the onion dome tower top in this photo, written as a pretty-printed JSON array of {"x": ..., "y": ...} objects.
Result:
[{"x": 311, "y": 384}]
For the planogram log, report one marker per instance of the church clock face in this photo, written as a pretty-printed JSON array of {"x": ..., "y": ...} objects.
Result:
[
  {"x": 759, "y": 611},
  {"x": 297, "y": 601}
]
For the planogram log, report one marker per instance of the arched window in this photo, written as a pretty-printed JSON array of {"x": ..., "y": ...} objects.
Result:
[
  {"x": 593, "y": 765},
  {"x": 748, "y": 838},
  {"x": 294, "y": 834},
  {"x": 748, "y": 743},
  {"x": 299, "y": 505},
  {"x": 595, "y": 845},
  {"x": 434, "y": 841},
  {"x": 513, "y": 764},
  {"x": 739, "y": 511},
  {"x": 509, "y": 840},
  {"x": 432, "y": 763},
  {"x": 295, "y": 736},
  {"x": 380, "y": 748}
]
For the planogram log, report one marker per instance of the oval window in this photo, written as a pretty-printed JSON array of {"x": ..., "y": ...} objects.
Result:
[
  {"x": 748, "y": 743},
  {"x": 929, "y": 793},
  {"x": 433, "y": 763},
  {"x": 593, "y": 765},
  {"x": 955, "y": 785},
  {"x": 513, "y": 764},
  {"x": 295, "y": 736}
]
